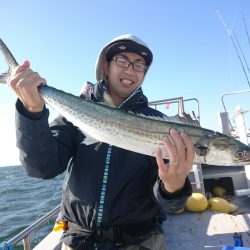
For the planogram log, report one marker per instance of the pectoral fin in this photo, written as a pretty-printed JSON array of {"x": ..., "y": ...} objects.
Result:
[
  {"x": 201, "y": 150},
  {"x": 88, "y": 140}
]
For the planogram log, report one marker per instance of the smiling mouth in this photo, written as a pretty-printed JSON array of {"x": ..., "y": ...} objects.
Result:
[{"x": 126, "y": 81}]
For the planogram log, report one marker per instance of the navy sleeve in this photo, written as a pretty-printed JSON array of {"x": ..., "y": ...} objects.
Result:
[
  {"x": 44, "y": 150},
  {"x": 172, "y": 202}
]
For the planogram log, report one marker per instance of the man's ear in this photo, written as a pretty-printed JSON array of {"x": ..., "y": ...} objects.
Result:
[{"x": 105, "y": 69}]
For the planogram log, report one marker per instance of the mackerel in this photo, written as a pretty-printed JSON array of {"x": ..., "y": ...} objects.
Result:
[{"x": 137, "y": 133}]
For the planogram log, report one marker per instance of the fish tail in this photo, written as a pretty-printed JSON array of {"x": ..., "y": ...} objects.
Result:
[{"x": 9, "y": 59}]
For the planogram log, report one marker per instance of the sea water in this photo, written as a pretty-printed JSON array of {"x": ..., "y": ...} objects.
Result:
[{"x": 23, "y": 200}]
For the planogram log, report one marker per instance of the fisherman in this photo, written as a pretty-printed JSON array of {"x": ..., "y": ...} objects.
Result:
[{"x": 112, "y": 198}]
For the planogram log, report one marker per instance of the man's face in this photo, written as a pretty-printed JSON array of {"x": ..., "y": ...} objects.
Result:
[{"x": 124, "y": 81}]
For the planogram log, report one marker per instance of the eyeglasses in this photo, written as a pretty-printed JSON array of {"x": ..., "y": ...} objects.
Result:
[{"x": 125, "y": 63}]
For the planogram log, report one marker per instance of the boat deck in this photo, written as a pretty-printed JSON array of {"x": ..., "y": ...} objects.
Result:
[
  {"x": 197, "y": 231},
  {"x": 208, "y": 230}
]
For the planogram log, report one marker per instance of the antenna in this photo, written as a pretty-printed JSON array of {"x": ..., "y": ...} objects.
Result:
[
  {"x": 241, "y": 51},
  {"x": 230, "y": 32},
  {"x": 244, "y": 20}
]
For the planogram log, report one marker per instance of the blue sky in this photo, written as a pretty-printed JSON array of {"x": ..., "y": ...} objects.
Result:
[{"x": 193, "y": 55}]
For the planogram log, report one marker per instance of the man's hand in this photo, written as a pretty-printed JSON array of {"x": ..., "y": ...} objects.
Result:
[
  {"x": 181, "y": 155},
  {"x": 24, "y": 82}
]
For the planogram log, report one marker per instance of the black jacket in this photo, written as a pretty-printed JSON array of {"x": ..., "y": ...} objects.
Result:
[{"x": 103, "y": 187}]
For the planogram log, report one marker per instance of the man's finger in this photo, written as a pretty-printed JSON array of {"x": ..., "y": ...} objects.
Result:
[
  {"x": 26, "y": 64},
  {"x": 189, "y": 147},
  {"x": 159, "y": 158},
  {"x": 170, "y": 149}
]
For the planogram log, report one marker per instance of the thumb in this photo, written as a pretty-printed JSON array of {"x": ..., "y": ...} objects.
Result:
[{"x": 26, "y": 64}]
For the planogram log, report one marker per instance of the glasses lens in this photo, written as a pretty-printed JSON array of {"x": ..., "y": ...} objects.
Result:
[
  {"x": 141, "y": 67},
  {"x": 122, "y": 62}
]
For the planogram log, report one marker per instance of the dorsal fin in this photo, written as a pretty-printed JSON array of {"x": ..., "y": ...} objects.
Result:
[{"x": 186, "y": 118}]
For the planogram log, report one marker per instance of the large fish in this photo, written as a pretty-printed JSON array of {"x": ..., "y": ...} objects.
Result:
[{"x": 102, "y": 123}]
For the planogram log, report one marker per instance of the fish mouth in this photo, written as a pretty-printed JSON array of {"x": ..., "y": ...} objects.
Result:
[{"x": 244, "y": 162}]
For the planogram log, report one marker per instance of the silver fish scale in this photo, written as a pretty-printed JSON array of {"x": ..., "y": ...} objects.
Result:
[{"x": 135, "y": 133}]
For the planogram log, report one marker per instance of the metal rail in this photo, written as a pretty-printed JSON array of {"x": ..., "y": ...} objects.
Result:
[
  {"x": 232, "y": 93},
  {"x": 180, "y": 102},
  {"x": 228, "y": 123},
  {"x": 25, "y": 234}
]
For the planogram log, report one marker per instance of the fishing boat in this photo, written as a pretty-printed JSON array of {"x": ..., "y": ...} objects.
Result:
[
  {"x": 185, "y": 231},
  {"x": 214, "y": 230}
]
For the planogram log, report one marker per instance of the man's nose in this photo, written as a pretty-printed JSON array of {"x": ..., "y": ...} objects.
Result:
[{"x": 130, "y": 68}]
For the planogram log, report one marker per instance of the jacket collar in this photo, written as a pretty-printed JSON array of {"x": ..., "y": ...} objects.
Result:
[{"x": 133, "y": 102}]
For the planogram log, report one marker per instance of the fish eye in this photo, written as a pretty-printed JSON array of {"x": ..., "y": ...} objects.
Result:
[{"x": 239, "y": 154}]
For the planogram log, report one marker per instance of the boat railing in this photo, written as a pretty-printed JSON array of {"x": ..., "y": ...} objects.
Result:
[
  {"x": 26, "y": 233},
  {"x": 180, "y": 102},
  {"x": 227, "y": 126}
]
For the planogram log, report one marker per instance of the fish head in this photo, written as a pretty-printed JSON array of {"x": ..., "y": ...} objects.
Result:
[
  {"x": 242, "y": 156},
  {"x": 237, "y": 153},
  {"x": 222, "y": 150}
]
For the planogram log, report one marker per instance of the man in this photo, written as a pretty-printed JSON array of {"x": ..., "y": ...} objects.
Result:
[{"x": 112, "y": 198}]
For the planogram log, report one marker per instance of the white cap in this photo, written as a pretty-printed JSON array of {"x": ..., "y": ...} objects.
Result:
[{"x": 139, "y": 47}]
